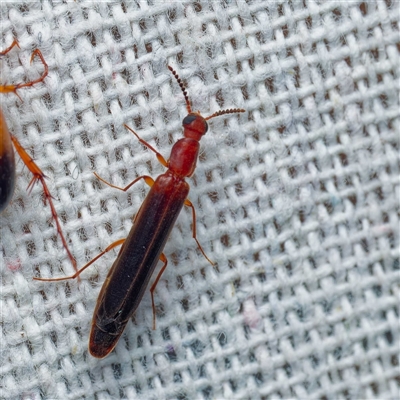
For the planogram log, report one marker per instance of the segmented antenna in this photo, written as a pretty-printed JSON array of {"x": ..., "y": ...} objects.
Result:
[
  {"x": 223, "y": 112},
  {"x": 188, "y": 107}
]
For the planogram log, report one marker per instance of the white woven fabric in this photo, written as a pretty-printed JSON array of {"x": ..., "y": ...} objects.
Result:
[{"x": 297, "y": 199}]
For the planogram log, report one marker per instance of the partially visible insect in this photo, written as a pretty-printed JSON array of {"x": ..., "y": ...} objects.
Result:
[
  {"x": 127, "y": 279},
  {"x": 7, "y": 160}
]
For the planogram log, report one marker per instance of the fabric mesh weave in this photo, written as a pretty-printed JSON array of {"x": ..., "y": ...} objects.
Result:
[{"x": 297, "y": 199}]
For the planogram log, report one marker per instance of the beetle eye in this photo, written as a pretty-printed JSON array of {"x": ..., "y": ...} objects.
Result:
[
  {"x": 188, "y": 119},
  {"x": 206, "y": 127}
]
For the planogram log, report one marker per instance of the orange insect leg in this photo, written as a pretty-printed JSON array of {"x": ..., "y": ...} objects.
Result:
[{"x": 7, "y": 163}]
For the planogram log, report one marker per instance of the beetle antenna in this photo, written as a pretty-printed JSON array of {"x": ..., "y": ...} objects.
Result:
[
  {"x": 188, "y": 107},
  {"x": 223, "y": 112}
]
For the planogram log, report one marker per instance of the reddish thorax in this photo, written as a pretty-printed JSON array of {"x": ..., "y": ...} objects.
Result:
[{"x": 185, "y": 151}]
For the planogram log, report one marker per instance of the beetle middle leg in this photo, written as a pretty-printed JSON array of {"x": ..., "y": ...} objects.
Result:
[{"x": 39, "y": 176}]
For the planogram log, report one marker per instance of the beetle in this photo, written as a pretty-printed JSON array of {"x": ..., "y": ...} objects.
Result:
[{"x": 128, "y": 277}]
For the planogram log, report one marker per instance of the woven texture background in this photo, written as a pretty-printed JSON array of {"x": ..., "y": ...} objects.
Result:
[{"x": 297, "y": 199}]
